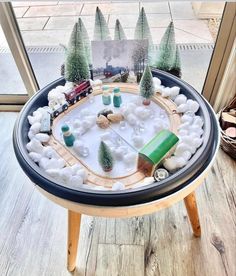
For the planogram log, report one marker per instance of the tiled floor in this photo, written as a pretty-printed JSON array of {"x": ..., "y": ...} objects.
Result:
[{"x": 49, "y": 23}]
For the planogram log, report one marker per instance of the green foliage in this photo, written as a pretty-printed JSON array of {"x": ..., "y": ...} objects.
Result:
[
  {"x": 76, "y": 66},
  {"x": 105, "y": 158},
  {"x": 101, "y": 31},
  {"x": 166, "y": 56},
  {"x": 146, "y": 84},
  {"x": 119, "y": 31},
  {"x": 86, "y": 41},
  {"x": 176, "y": 68},
  {"x": 142, "y": 30}
]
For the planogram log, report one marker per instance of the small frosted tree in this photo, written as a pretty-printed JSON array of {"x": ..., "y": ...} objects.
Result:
[
  {"x": 86, "y": 41},
  {"x": 146, "y": 86},
  {"x": 105, "y": 158},
  {"x": 176, "y": 68},
  {"x": 119, "y": 31},
  {"x": 166, "y": 57},
  {"x": 76, "y": 66},
  {"x": 101, "y": 31},
  {"x": 142, "y": 30}
]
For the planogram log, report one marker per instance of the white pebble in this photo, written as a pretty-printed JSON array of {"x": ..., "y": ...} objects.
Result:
[
  {"x": 174, "y": 92},
  {"x": 192, "y": 105},
  {"x": 117, "y": 186},
  {"x": 35, "y": 128},
  {"x": 65, "y": 174},
  {"x": 42, "y": 137},
  {"x": 182, "y": 132},
  {"x": 35, "y": 146},
  {"x": 75, "y": 168},
  {"x": 35, "y": 156},
  {"x": 198, "y": 121},
  {"x": 129, "y": 158},
  {"x": 180, "y": 99},
  {"x": 55, "y": 173},
  {"x": 186, "y": 155},
  {"x": 170, "y": 164},
  {"x": 156, "y": 81},
  {"x": 166, "y": 92},
  {"x": 50, "y": 152},
  {"x": 82, "y": 173},
  {"x": 43, "y": 163},
  {"x": 118, "y": 153},
  {"x": 31, "y": 135},
  {"x": 54, "y": 163},
  {"x": 137, "y": 141},
  {"x": 182, "y": 108},
  {"x": 181, "y": 147},
  {"x": 186, "y": 118},
  {"x": 75, "y": 181}
]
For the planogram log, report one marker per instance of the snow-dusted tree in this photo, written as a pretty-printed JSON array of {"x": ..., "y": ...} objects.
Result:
[
  {"x": 176, "y": 68},
  {"x": 101, "y": 31},
  {"x": 119, "y": 31},
  {"x": 105, "y": 158},
  {"x": 142, "y": 30},
  {"x": 76, "y": 66},
  {"x": 86, "y": 41},
  {"x": 166, "y": 57},
  {"x": 146, "y": 86}
]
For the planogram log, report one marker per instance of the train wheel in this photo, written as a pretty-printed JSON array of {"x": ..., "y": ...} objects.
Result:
[
  {"x": 74, "y": 101},
  {"x": 56, "y": 113}
]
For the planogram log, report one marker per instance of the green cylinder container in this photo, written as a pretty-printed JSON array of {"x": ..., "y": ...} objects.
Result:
[
  {"x": 117, "y": 101},
  {"x": 155, "y": 150}
]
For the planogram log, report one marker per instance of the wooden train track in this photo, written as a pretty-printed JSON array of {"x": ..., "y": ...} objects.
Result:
[{"x": 104, "y": 180}]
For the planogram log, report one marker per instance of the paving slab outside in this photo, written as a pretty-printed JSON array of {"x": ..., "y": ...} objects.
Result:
[{"x": 50, "y": 23}]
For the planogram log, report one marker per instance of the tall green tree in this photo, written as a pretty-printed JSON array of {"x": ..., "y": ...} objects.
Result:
[
  {"x": 76, "y": 66},
  {"x": 142, "y": 30},
  {"x": 105, "y": 158},
  {"x": 119, "y": 31},
  {"x": 166, "y": 57},
  {"x": 86, "y": 41},
  {"x": 101, "y": 31},
  {"x": 176, "y": 67},
  {"x": 146, "y": 85}
]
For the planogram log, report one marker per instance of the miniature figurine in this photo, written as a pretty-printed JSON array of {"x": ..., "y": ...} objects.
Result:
[
  {"x": 117, "y": 97},
  {"x": 67, "y": 136},
  {"x": 106, "y": 97}
]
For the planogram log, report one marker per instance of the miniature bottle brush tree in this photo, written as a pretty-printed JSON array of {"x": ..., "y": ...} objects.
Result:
[
  {"x": 76, "y": 66},
  {"x": 101, "y": 30},
  {"x": 146, "y": 86},
  {"x": 105, "y": 157},
  {"x": 86, "y": 41},
  {"x": 119, "y": 33},
  {"x": 168, "y": 58}
]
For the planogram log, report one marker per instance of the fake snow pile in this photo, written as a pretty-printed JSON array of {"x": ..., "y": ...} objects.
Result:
[{"x": 190, "y": 130}]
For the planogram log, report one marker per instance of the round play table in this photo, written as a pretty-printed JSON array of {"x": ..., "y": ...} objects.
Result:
[{"x": 125, "y": 203}]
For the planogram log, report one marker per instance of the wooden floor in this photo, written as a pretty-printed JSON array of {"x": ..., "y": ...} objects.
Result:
[{"x": 33, "y": 230}]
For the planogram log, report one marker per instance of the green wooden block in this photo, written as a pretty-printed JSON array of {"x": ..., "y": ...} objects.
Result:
[{"x": 159, "y": 146}]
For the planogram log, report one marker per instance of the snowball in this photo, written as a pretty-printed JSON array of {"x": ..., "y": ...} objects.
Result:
[
  {"x": 117, "y": 186},
  {"x": 50, "y": 152},
  {"x": 106, "y": 136},
  {"x": 182, "y": 108},
  {"x": 35, "y": 128},
  {"x": 198, "y": 121},
  {"x": 75, "y": 181},
  {"x": 185, "y": 154},
  {"x": 166, "y": 92},
  {"x": 171, "y": 164},
  {"x": 65, "y": 174},
  {"x": 186, "y": 118},
  {"x": 129, "y": 158},
  {"x": 156, "y": 81},
  {"x": 142, "y": 112},
  {"x": 35, "y": 156},
  {"x": 138, "y": 141},
  {"x": 76, "y": 123},
  {"x": 181, "y": 147},
  {"x": 43, "y": 163},
  {"x": 31, "y": 135},
  {"x": 80, "y": 148},
  {"x": 197, "y": 142},
  {"x": 159, "y": 125},
  {"x": 184, "y": 126},
  {"x": 192, "y": 106},
  {"x": 131, "y": 119},
  {"x": 42, "y": 137},
  {"x": 85, "y": 112},
  {"x": 82, "y": 173},
  {"x": 180, "y": 99},
  {"x": 35, "y": 146},
  {"x": 34, "y": 119},
  {"x": 174, "y": 92},
  {"x": 55, "y": 173},
  {"x": 75, "y": 168},
  {"x": 118, "y": 153},
  {"x": 54, "y": 163},
  {"x": 182, "y": 132},
  {"x": 180, "y": 162}
]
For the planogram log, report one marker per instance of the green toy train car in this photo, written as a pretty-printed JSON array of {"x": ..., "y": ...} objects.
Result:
[{"x": 155, "y": 150}]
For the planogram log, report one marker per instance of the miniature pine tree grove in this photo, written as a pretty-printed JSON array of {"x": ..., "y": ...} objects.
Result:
[
  {"x": 76, "y": 66},
  {"x": 166, "y": 56},
  {"x": 176, "y": 68},
  {"x": 119, "y": 31},
  {"x": 146, "y": 86},
  {"x": 101, "y": 31},
  {"x": 142, "y": 30},
  {"x": 105, "y": 157},
  {"x": 86, "y": 41}
]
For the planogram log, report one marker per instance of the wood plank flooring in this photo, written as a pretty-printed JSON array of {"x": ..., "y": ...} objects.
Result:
[{"x": 33, "y": 229}]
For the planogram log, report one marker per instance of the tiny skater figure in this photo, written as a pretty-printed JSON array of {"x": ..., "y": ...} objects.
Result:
[
  {"x": 68, "y": 137},
  {"x": 117, "y": 97},
  {"x": 106, "y": 97}
]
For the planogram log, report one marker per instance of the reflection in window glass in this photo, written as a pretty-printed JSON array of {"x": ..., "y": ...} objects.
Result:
[
  {"x": 10, "y": 79},
  {"x": 46, "y": 25}
]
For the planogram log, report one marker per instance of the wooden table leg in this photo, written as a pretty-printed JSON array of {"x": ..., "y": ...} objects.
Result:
[
  {"x": 73, "y": 238},
  {"x": 191, "y": 206}
]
